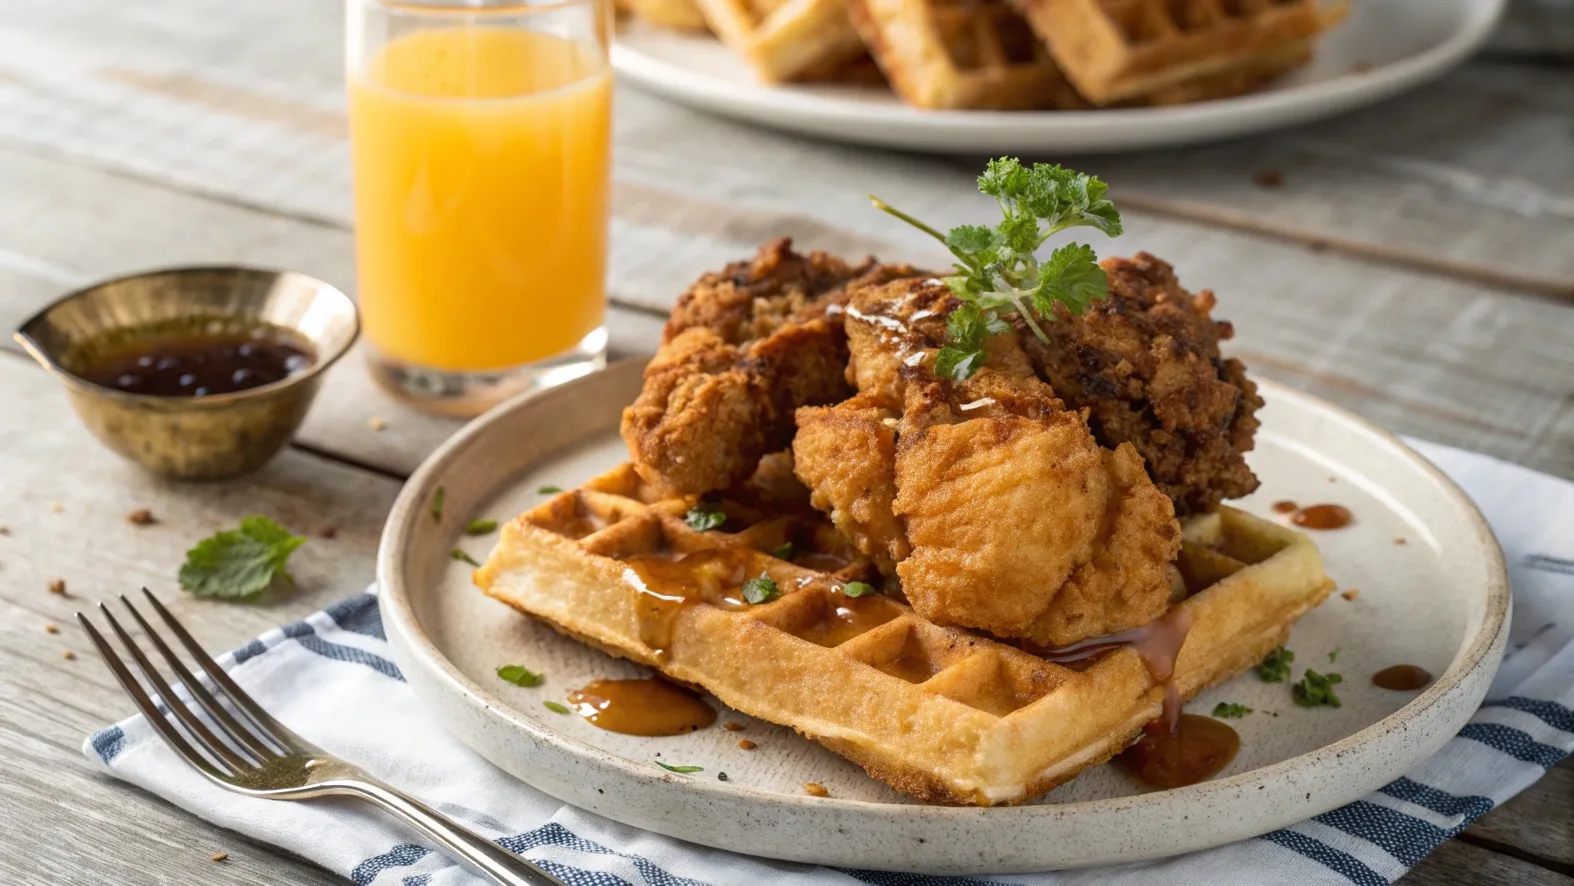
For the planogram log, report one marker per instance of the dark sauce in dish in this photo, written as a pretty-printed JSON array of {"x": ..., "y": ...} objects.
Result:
[
  {"x": 1195, "y": 751},
  {"x": 648, "y": 707},
  {"x": 1401, "y": 678},
  {"x": 197, "y": 363}
]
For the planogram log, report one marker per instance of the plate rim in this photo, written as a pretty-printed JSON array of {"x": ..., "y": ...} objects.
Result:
[
  {"x": 1484, "y": 648},
  {"x": 898, "y": 124}
]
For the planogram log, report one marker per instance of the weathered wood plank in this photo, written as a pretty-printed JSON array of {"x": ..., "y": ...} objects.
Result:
[
  {"x": 1539, "y": 822},
  {"x": 63, "y": 225},
  {"x": 1460, "y": 864},
  {"x": 72, "y": 825}
]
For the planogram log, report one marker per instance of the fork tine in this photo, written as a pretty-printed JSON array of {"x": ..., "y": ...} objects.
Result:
[
  {"x": 194, "y": 726},
  {"x": 150, "y": 711},
  {"x": 273, "y": 729},
  {"x": 227, "y": 723}
]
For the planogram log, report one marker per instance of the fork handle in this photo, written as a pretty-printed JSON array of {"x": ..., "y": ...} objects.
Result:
[{"x": 466, "y": 846}]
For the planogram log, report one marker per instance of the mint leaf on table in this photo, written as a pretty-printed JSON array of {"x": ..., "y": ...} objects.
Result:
[
  {"x": 519, "y": 675},
  {"x": 236, "y": 564}
]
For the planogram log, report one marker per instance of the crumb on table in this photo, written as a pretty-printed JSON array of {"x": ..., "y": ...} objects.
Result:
[
  {"x": 329, "y": 532},
  {"x": 815, "y": 789},
  {"x": 219, "y": 856},
  {"x": 51, "y": 629}
]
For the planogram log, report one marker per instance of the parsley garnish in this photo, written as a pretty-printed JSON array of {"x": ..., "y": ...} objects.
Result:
[
  {"x": 437, "y": 504},
  {"x": 1276, "y": 667},
  {"x": 1316, "y": 689},
  {"x": 480, "y": 527},
  {"x": 785, "y": 552},
  {"x": 998, "y": 270},
  {"x": 463, "y": 557},
  {"x": 760, "y": 590},
  {"x": 705, "y": 515},
  {"x": 556, "y": 708},
  {"x": 857, "y": 589},
  {"x": 681, "y": 770},
  {"x": 1230, "y": 711},
  {"x": 519, "y": 675},
  {"x": 240, "y": 563},
  {"x": 1334, "y": 655},
  {"x": 548, "y": 489}
]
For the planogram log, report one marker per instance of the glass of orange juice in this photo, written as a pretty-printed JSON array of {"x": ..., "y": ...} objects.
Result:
[{"x": 480, "y": 137}]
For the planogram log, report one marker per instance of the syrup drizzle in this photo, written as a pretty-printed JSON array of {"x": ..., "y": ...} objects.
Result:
[
  {"x": 648, "y": 707},
  {"x": 1158, "y": 643},
  {"x": 666, "y": 584}
]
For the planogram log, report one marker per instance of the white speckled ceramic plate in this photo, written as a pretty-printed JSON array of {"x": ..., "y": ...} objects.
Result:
[
  {"x": 1385, "y": 47},
  {"x": 1439, "y": 600}
]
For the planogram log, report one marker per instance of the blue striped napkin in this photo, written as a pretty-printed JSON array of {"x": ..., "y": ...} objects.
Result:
[{"x": 330, "y": 678}]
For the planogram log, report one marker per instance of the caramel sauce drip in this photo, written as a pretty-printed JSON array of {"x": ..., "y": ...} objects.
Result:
[
  {"x": 1196, "y": 750},
  {"x": 666, "y": 584},
  {"x": 1285, "y": 507},
  {"x": 1322, "y": 517},
  {"x": 1401, "y": 678},
  {"x": 1158, "y": 643},
  {"x": 847, "y": 617},
  {"x": 648, "y": 707}
]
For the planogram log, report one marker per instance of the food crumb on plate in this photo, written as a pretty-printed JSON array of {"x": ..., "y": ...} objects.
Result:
[
  {"x": 329, "y": 532},
  {"x": 68, "y": 655},
  {"x": 1271, "y": 178},
  {"x": 377, "y": 424},
  {"x": 58, "y": 587},
  {"x": 1400, "y": 541},
  {"x": 1350, "y": 594},
  {"x": 141, "y": 517},
  {"x": 51, "y": 629},
  {"x": 747, "y": 745},
  {"x": 732, "y": 726},
  {"x": 815, "y": 789}
]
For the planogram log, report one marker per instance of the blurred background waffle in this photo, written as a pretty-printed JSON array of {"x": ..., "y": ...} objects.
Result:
[{"x": 1025, "y": 55}]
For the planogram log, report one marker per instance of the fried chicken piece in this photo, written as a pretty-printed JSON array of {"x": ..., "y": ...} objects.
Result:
[
  {"x": 744, "y": 347},
  {"x": 1145, "y": 363},
  {"x": 1015, "y": 520},
  {"x": 846, "y": 455}
]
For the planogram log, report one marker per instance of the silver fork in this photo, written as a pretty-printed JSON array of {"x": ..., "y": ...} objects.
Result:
[{"x": 261, "y": 758}]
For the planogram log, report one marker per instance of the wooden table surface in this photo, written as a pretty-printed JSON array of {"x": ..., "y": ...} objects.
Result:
[{"x": 1416, "y": 265}]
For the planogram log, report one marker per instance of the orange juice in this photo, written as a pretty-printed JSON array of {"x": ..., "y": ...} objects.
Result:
[{"x": 481, "y": 189}]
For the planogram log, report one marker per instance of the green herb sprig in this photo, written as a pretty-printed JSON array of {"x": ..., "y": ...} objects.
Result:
[
  {"x": 556, "y": 707},
  {"x": 1316, "y": 690},
  {"x": 681, "y": 770},
  {"x": 760, "y": 590},
  {"x": 1229, "y": 710},
  {"x": 857, "y": 589},
  {"x": 1276, "y": 667},
  {"x": 237, "y": 564},
  {"x": 461, "y": 556},
  {"x": 998, "y": 269},
  {"x": 519, "y": 675},
  {"x": 705, "y": 516},
  {"x": 480, "y": 527}
]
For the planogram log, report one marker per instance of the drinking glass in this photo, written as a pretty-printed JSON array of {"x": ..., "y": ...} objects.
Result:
[{"x": 480, "y": 136}]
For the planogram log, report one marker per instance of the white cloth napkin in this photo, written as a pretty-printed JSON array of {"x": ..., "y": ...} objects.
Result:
[{"x": 329, "y": 677}]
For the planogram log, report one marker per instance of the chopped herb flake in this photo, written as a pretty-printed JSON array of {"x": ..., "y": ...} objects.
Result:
[
  {"x": 760, "y": 590},
  {"x": 1230, "y": 710},
  {"x": 1333, "y": 656},
  {"x": 549, "y": 489},
  {"x": 556, "y": 708},
  {"x": 705, "y": 515},
  {"x": 519, "y": 675},
  {"x": 1316, "y": 690},
  {"x": 681, "y": 770},
  {"x": 785, "y": 552},
  {"x": 437, "y": 504},
  {"x": 1276, "y": 667},
  {"x": 480, "y": 527},
  {"x": 857, "y": 589},
  {"x": 463, "y": 557}
]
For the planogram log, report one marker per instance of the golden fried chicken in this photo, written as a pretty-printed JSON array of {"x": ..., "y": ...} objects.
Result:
[
  {"x": 1145, "y": 364},
  {"x": 1015, "y": 521},
  {"x": 744, "y": 347}
]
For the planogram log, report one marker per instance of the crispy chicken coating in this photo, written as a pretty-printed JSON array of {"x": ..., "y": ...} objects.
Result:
[
  {"x": 1014, "y": 519},
  {"x": 1145, "y": 364},
  {"x": 743, "y": 349}
]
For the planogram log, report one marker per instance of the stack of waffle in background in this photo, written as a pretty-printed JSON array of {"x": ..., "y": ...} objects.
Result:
[{"x": 1017, "y": 55}]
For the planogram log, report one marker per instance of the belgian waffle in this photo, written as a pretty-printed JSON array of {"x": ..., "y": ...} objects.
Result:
[
  {"x": 961, "y": 54},
  {"x": 786, "y": 39},
  {"x": 942, "y": 714},
  {"x": 1122, "y": 50},
  {"x": 682, "y": 15}
]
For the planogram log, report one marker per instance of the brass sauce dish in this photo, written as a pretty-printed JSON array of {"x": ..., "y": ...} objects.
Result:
[{"x": 192, "y": 438}]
